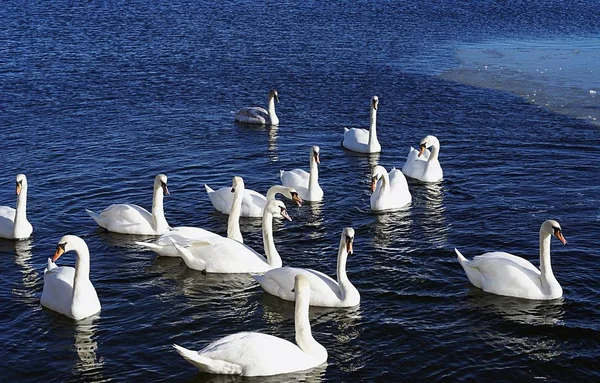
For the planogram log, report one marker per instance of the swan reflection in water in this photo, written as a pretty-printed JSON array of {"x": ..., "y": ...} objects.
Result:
[
  {"x": 314, "y": 375},
  {"x": 433, "y": 220},
  {"x": 89, "y": 366},
  {"x": 30, "y": 276},
  {"x": 391, "y": 229},
  {"x": 522, "y": 316},
  {"x": 344, "y": 324}
]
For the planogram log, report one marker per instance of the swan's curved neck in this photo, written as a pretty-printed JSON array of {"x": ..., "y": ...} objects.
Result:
[
  {"x": 233, "y": 223},
  {"x": 547, "y": 276},
  {"x": 273, "y": 257},
  {"x": 313, "y": 177},
  {"x": 373, "y": 128},
  {"x": 385, "y": 183},
  {"x": 435, "y": 152},
  {"x": 159, "y": 222},
  {"x": 82, "y": 275},
  {"x": 274, "y": 190},
  {"x": 304, "y": 338},
  {"x": 20, "y": 211},
  {"x": 342, "y": 277},
  {"x": 271, "y": 110}
]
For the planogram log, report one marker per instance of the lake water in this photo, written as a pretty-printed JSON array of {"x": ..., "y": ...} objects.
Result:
[{"x": 96, "y": 99}]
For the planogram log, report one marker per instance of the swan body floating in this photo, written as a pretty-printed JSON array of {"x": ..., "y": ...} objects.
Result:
[
  {"x": 260, "y": 116},
  {"x": 422, "y": 164},
  {"x": 363, "y": 140},
  {"x": 324, "y": 290},
  {"x": 224, "y": 255},
  {"x": 506, "y": 274},
  {"x": 134, "y": 219},
  {"x": 306, "y": 183},
  {"x": 258, "y": 354},
  {"x": 390, "y": 191},
  {"x": 68, "y": 290},
  {"x": 186, "y": 235},
  {"x": 13, "y": 222},
  {"x": 253, "y": 202}
]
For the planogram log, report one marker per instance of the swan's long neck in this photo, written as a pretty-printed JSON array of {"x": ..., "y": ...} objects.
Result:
[
  {"x": 159, "y": 222},
  {"x": 385, "y": 183},
  {"x": 373, "y": 128},
  {"x": 273, "y": 257},
  {"x": 435, "y": 151},
  {"x": 233, "y": 223},
  {"x": 313, "y": 177},
  {"x": 547, "y": 276},
  {"x": 21, "y": 212},
  {"x": 304, "y": 338},
  {"x": 342, "y": 277},
  {"x": 82, "y": 276},
  {"x": 274, "y": 190},
  {"x": 271, "y": 110}
]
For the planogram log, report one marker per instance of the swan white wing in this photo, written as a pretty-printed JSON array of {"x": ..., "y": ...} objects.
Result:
[
  {"x": 7, "y": 221},
  {"x": 356, "y": 140},
  {"x": 252, "y": 115},
  {"x": 125, "y": 219},
  {"x": 295, "y": 178},
  {"x": 253, "y": 202},
  {"x": 325, "y": 291},
  {"x": 58, "y": 289},
  {"x": 224, "y": 255},
  {"x": 415, "y": 165},
  {"x": 504, "y": 274},
  {"x": 182, "y": 235},
  {"x": 256, "y": 354},
  {"x": 397, "y": 196}
]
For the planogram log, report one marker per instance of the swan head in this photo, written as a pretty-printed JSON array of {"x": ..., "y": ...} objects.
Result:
[
  {"x": 66, "y": 244},
  {"x": 274, "y": 94},
  {"x": 552, "y": 227},
  {"x": 427, "y": 142},
  {"x": 160, "y": 181},
  {"x": 374, "y": 102},
  {"x": 314, "y": 152},
  {"x": 293, "y": 195},
  {"x": 376, "y": 174},
  {"x": 237, "y": 184},
  {"x": 275, "y": 206},
  {"x": 348, "y": 238},
  {"x": 21, "y": 184}
]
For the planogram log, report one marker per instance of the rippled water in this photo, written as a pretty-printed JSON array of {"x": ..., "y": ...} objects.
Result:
[{"x": 96, "y": 99}]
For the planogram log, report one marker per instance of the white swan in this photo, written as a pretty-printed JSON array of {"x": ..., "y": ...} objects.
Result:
[
  {"x": 505, "y": 274},
  {"x": 253, "y": 202},
  {"x": 390, "y": 191},
  {"x": 13, "y": 222},
  {"x": 307, "y": 184},
  {"x": 363, "y": 140},
  {"x": 258, "y": 354},
  {"x": 224, "y": 255},
  {"x": 134, "y": 219},
  {"x": 258, "y": 115},
  {"x": 68, "y": 290},
  {"x": 422, "y": 165},
  {"x": 185, "y": 235},
  {"x": 324, "y": 290}
]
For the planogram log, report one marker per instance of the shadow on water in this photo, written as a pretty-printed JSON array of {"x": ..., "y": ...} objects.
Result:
[{"x": 313, "y": 375}]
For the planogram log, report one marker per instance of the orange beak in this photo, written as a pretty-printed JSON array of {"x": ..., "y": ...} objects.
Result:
[
  {"x": 421, "y": 150},
  {"x": 165, "y": 189},
  {"x": 560, "y": 237},
  {"x": 317, "y": 160},
  {"x": 285, "y": 214},
  {"x": 296, "y": 198},
  {"x": 349, "y": 245},
  {"x": 60, "y": 250},
  {"x": 373, "y": 184},
  {"x": 19, "y": 187}
]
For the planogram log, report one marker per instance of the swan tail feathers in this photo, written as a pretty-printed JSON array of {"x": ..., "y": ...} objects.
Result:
[
  {"x": 346, "y": 130},
  {"x": 203, "y": 363},
  {"x": 461, "y": 258},
  {"x": 208, "y": 189},
  {"x": 93, "y": 214},
  {"x": 149, "y": 245}
]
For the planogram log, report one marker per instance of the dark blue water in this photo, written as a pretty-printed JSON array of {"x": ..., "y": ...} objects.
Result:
[{"x": 96, "y": 99}]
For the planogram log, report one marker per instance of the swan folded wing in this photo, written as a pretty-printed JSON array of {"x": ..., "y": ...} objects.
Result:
[
  {"x": 506, "y": 274},
  {"x": 254, "y": 114},
  {"x": 58, "y": 289},
  {"x": 355, "y": 135},
  {"x": 126, "y": 214},
  {"x": 397, "y": 179},
  {"x": 221, "y": 199},
  {"x": 259, "y": 354},
  {"x": 224, "y": 255},
  {"x": 280, "y": 282},
  {"x": 295, "y": 178}
]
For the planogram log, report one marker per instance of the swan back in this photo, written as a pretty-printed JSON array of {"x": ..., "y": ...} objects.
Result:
[{"x": 422, "y": 167}]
